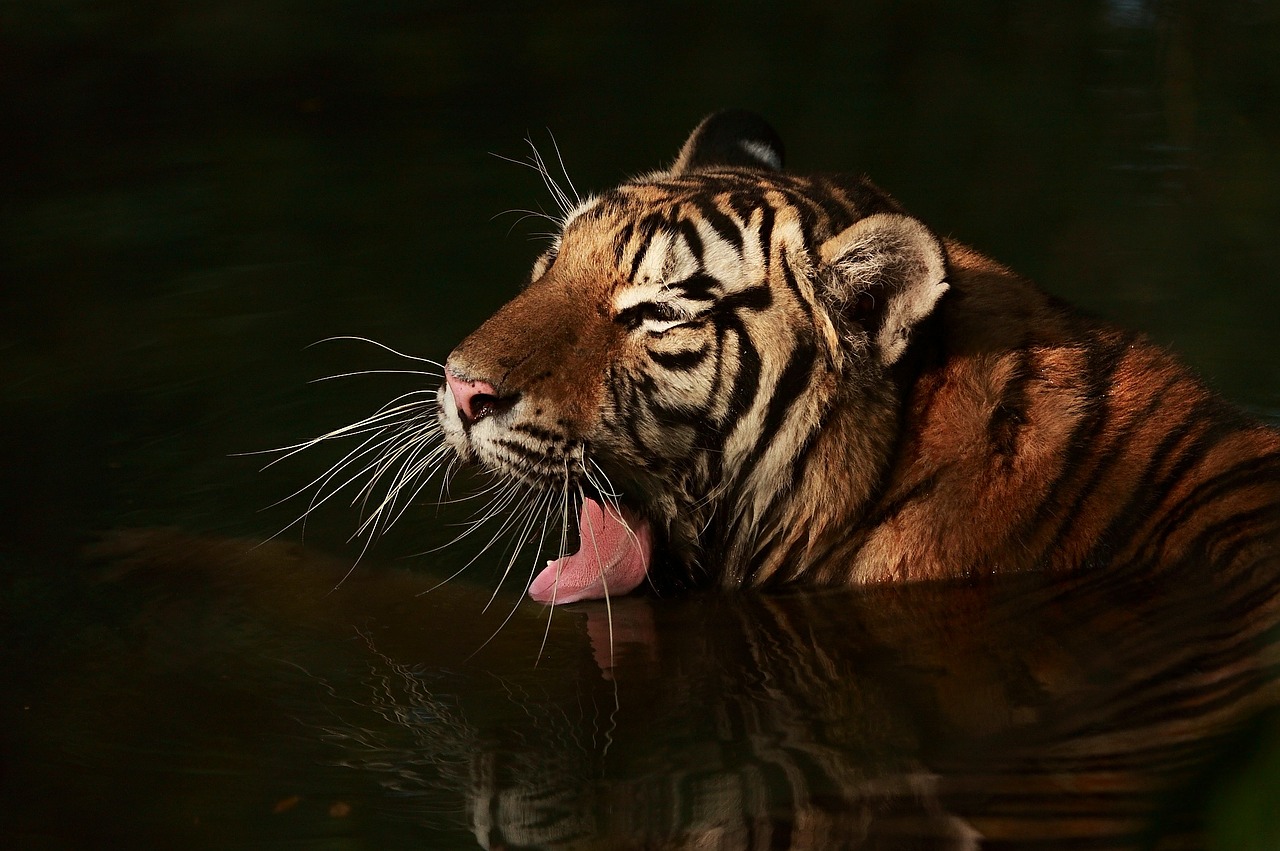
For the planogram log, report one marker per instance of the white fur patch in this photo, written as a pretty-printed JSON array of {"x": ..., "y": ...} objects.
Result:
[{"x": 762, "y": 152}]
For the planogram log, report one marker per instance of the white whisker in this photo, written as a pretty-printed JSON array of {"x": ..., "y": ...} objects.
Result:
[
  {"x": 411, "y": 445},
  {"x": 529, "y": 515},
  {"x": 612, "y": 504},
  {"x": 542, "y": 506},
  {"x": 588, "y": 532},
  {"x": 322, "y": 482},
  {"x": 382, "y": 346},
  {"x": 511, "y": 490},
  {"x": 564, "y": 535},
  {"x": 374, "y": 422},
  {"x": 431, "y": 374},
  {"x": 560, "y": 159},
  {"x": 527, "y": 214}
]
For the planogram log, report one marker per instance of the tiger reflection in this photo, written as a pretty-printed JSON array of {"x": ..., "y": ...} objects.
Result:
[{"x": 1017, "y": 712}]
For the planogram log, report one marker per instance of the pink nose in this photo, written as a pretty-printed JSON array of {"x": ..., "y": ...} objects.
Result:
[{"x": 475, "y": 399}]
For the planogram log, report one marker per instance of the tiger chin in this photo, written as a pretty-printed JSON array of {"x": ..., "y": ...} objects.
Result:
[{"x": 740, "y": 377}]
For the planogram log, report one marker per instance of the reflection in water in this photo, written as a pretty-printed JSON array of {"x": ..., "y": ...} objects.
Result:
[{"x": 1029, "y": 710}]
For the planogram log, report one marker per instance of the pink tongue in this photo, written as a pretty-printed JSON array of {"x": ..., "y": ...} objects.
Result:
[{"x": 613, "y": 559}]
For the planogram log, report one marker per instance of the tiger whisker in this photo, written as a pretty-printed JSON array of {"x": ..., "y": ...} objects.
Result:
[
  {"x": 504, "y": 490},
  {"x": 564, "y": 539},
  {"x": 446, "y": 479},
  {"x": 530, "y": 214},
  {"x": 412, "y": 445},
  {"x": 417, "y": 480},
  {"x": 372, "y": 422},
  {"x": 385, "y": 438},
  {"x": 429, "y": 374},
  {"x": 540, "y": 167},
  {"x": 322, "y": 482},
  {"x": 511, "y": 489},
  {"x": 459, "y": 500},
  {"x": 496, "y": 507},
  {"x": 611, "y": 491},
  {"x": 543, "y": 507},
  {"x": 413, "y": 438},
  {"x": 612, "y": 503},
  {"x": 382, "y": 346},
  {"x": 374, "y": 470},
  {"x": 349, "y": 458},
  {"x": 398, "y": 440},
  {"x": 536, "y": 214},
  {"x": 589, "y": 532},
  {"x": 529, "y": 521},
  {"x": 562, "y": 200},
  {"x": 560, "y": 159}
]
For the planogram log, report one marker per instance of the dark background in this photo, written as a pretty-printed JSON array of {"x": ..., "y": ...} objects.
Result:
[{"x": 193, "y": 191}]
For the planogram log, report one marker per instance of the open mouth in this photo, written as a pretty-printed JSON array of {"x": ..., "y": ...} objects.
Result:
[{"x": 614, "y": 555}]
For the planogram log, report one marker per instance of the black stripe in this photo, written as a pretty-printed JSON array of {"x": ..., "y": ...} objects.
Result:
[
  {"x": 1264, "y": 468},
  {"x": 697, "y": 287},
  {"x": 625, "y": 407},
  {"x": 1212, "y": 695},
  {"x": 755, "y": 298},
  {"x": 789, "y": 276},
  {"x": 694, "y": 418},
  {"x": 789, "y": 562},
  {"x": 1203, "y": 542},
  {"x": 837, "y": 212},
  {"x": 765, "y": 234},
  {"x": 1103, "y": 360},
  {"x": 812, "y": 217},
  {"x": 648, "y": 226},
  {"x": 620, "y": 242},
  {"x": 790, "y": 385},
  {"x": 632, "y": 419},
  {"x": 745, "y": 203},
  {"x": 1143, "y": 758},
  {"x": 1104, "y": 466},
  {"x": 718, "y": 368},
  {"x": 922, "y": 489},
  {"x": 867, "y": 199},
  {"x": 538, "y": 432},
  {"x": 1229, "y": 555},
  {"x": 681, "y": 361},
  {"x": 690, "y": 233},
  {"x": 746, "y": 382},
  {"x": 1146, "y": 498},
  {"x": 532, "y": 455},
  {"x": 719, "y": 222}
]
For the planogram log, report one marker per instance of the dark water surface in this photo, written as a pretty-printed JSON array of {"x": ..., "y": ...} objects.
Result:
[{"x": 192, "y": 193}]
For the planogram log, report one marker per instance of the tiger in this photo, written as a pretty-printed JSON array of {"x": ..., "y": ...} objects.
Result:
[{"x": 740, "y": 377}]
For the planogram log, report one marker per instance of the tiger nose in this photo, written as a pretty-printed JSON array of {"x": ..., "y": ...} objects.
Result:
[{"x": 475, "y": 399}]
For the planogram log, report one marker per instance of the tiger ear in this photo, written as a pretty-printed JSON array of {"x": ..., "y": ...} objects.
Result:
[
  {"x": 886, "y": 272},
  {"x": 733, "y": 138}
]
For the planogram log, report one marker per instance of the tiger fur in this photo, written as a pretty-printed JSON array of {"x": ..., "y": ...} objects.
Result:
[{"x": 790, "y": 379}]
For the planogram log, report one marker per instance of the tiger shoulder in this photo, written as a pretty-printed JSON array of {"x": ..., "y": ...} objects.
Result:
[{"x": 737, "y": 376}]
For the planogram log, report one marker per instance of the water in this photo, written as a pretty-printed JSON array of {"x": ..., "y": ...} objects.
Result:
[{"x": 196, "y": 192}]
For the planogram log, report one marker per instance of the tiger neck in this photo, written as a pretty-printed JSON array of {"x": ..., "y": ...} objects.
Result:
[
  {"x": 819, "y": 517},
  {"x": 780, "y": 528}
]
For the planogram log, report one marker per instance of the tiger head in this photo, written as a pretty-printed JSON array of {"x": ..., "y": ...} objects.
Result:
[{"x": 701, "y": 365}]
